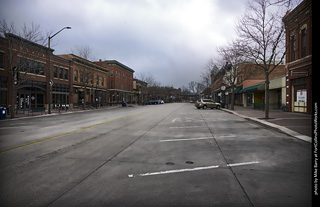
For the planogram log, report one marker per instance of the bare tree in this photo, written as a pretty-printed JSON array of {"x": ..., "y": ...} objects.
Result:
[
  {"x": 262, "y": 36},
  {"x": 84, "y": 51},
  {"x": 149, "y": 79},
  {"x": 230, "y": 54},
  {"x": 193, "y": 87},
  {"x": 206, "y": 76}
]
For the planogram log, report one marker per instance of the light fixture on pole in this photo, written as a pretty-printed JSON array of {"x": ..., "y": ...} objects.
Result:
[{"x": 50, "y": 83}]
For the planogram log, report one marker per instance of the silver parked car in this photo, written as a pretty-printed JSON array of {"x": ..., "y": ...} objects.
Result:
[{"x": 207, "y": 103}]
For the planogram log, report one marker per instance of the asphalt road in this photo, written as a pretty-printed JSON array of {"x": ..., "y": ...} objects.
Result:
[{"x": 162, "y": 155}]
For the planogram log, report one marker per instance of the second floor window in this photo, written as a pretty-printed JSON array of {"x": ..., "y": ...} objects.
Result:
[
  {"x": 66, "y": 72},
  {"x": 55, "y": 72},
  {"x": 111, "y": 84},
  {"x": 303, "y": 43},
  {"x": 76, "y": 75},
  {"x": 61, "y": 73},
  {"x": 81, "y": 76},
  {"x": 293, "y": 54},
  {"x": 97, "y": 80}
]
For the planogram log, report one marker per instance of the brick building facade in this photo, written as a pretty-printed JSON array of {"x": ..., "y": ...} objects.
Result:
[
  {"x": 25, "y": 82},
  {"x": 88, "y": 82},
  {"x": 299, "y": 58},
  {"x": 24, "y": 75},
  {"x": 120, "y": 81}
]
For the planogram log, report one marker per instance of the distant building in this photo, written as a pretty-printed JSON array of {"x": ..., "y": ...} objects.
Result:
[
  {"x": 250, "y": 88},
  {"x": 298, "y": 25},
  {"x": 88, "y": 82},
  {"x": 140, "y": 90},
  {"x": 120, "y": 81}
]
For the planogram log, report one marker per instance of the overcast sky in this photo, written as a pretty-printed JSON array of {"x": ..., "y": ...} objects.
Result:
[{"x": 171, "y": 39}]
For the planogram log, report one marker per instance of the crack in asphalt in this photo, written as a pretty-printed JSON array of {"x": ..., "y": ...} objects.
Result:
[
  {"x": 107, "y": 161},
  {"x": 228, "y": 164}
]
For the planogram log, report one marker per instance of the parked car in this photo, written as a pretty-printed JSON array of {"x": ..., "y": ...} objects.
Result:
[
  {"x": 153, "y": 102},
  {"x": 207, "y": 103}
]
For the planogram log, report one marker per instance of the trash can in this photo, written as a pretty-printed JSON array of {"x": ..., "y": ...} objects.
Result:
[{"x": 3, "y": 113}]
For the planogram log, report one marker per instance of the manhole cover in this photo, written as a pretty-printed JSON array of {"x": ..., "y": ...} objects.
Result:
[
  {"x": 169, "y": 163},
  {"x": 189, "y": 162}
]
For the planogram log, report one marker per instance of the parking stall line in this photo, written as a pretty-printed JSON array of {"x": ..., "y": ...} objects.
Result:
[
  {"x": 190, "y": 169},
  {"x": 189, "y": 139}
]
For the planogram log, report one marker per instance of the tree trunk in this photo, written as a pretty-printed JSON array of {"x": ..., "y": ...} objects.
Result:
[
  {"x": 232, "y": 96},
  {"x": 266, "y": 110},
  {"x": 84, "y": 99},
  {"x": 13, "y": 96}
]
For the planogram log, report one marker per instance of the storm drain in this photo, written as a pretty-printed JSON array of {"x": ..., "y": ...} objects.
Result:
[{"x": 189, "y": 162}]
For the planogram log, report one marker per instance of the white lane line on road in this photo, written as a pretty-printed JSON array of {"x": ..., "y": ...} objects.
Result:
[
  {"x": 226, "y": 135},
  {"x": 174, "y": 171},
  {"x": 243, "y": 163},
  {"x": 191, "y": 169},
  {"x": 186, "y": 127},
  {"x": 174, "y": 120},
  {"x": 190, "y": 139}
]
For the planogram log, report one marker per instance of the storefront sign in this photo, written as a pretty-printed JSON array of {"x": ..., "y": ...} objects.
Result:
[{"x": 302, "y": 95}]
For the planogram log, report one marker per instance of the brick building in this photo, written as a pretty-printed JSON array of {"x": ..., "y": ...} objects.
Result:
[
  {"x": 249, "y": 87},
  {"x": 298, "y": 24},
  {"x": 24, "y": 75},
  {"x": 88, "y": 82},
  {"x": 140, "y": 90},
  {"x": 120, "y": 81}
]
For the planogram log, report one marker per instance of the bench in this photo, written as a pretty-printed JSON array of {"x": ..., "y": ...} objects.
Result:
[{"x": 38, "y": 109}]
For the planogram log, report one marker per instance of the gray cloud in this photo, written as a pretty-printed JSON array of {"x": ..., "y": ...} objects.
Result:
[{"x": 171, "y": 39}]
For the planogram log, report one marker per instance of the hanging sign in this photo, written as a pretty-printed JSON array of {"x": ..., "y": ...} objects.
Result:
[{"x": 302, "y": 95}]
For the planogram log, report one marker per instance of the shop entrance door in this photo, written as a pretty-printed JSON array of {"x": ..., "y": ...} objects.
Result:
[{"x": 24, "y": 101}]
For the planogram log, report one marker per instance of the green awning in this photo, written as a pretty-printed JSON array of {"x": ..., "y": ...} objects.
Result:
[
  {"x": 251, "y": 88},
  {"x": 238, "y": 89}
]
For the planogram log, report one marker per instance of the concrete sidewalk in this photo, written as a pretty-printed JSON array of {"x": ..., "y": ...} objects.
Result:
[
  {"x": 25, "y": 114},
  {"x": 294, "y": 124}
]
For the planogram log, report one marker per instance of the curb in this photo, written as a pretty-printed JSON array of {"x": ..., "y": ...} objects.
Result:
[{"x": 282, "y": 129}]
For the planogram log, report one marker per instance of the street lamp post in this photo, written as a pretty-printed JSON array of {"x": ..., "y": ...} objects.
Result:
[{"x": 50, "y": 83}]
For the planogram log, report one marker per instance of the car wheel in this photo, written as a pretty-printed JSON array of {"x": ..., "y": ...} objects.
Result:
[
  {"x": 204, "y": 107},
  {"x": 198, "y": 107},
  {"x": 218, "y": 107}
]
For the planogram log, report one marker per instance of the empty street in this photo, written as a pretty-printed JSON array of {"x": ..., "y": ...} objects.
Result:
[{"x": 155, "y": 155}]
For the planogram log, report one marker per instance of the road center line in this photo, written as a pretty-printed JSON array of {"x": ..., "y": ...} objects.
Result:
[
  {"x": 190, "y": 139},
  {"x": 70, "y": 132}
]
